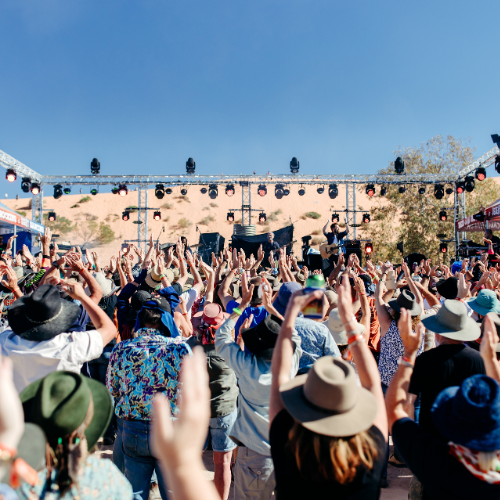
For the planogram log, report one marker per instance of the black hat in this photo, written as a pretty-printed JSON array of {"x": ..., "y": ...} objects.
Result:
[
  {"x": 448, "y": 288},
  {"x": 136, "y": 302},
  {"x": 261, "y": 339},
  {"x": 42, "y": 314},
  {"x": 407, "y": 300}
]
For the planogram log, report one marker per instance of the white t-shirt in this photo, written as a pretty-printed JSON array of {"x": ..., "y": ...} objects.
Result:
[
  {"x": 189, "y": 296},
  {"x": 33, "y": 360}
]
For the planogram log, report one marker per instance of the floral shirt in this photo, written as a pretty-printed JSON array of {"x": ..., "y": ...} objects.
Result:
[
  {"x": 140, "y": 368},
  {"x": 99, "y": 479}
]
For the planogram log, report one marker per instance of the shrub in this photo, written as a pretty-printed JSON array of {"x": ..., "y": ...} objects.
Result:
[
  {"x": 74, "y": 206},
  {"x": 21, "y": 212},
  {"x": 207, "y": 220},
  {"x": 272, "y": 217},
  {"x": 167, "y": 218},
  {"x": 205, "y": 208},
  {"x": 303, "y": 217},
  {"x": 85, "y": 199},
  {"x": 213, "y": 205},
  {"x": 265, "y": 229},
  {"x": 61, "y": 225},
  {"x": 90, "y": 216},
  {"x": 313, "y": 215},
  {"x": 132, "y": 209},
  {"x": 279, "y": 211},
  {"x": 167, "y": 206},
  {"x": 316, "y": 241},
  {"x": 184, "y": 223},
  {"x": 316, "y": 231},
  {"x": 105, "y": 234}
]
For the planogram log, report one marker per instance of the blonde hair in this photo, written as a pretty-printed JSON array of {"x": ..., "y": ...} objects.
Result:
[{"x": 321, "y": 457}]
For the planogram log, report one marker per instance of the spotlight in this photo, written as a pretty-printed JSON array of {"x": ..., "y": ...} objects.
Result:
[
  {"x": 11, "y": 175},
  {"x": 399, "y": 165},
  {"x": 368, "y": 248},
  {"x": 26, "y": 184},
  {"x": 67, "y": 190},
  {"x": 421, "y": 190},
  {"x": 443, "y": 247},
  {"x": 203, "y": 190},
  {"x": 383, "y": 191},
  {"x": 497, "y": 163},
  {"x": 449, "y": 190},
  {"x": 213, "y": 191},
  {"x": 262, "y": 190},
  {"x": 438, "y": 191},
  {"x": 184, "y": 191},
  {"x": 262, "y": 217},
  {"x": 126, "y": 215},
  {"x": 278, "y": 191},
  {"x": 366, "y": 218},
  {"x": 333, "y": 191},
  {"x": 230, "y": 189},
  {"x": 443, "y": 216},
  {"x": 190, "y": 166},
  {"x": 35, "y": 188},
  {"x": 123, "y": 190},
  {"x": 402, "y": 189},
  {"x": 302, "y": 191},
  {"x": 230, "y": 216},
  {"x": 495, "y": 138},
  {"x": 335, "y": 218},
  {"x": 320, "y": 190},
  {"x": 58, "y": 192},
  {"x": 460, "y": 187},
  {"x": 370, "y": 190},
  {"x": 52, "y": 216},
  {"x": 481, "y": 174},
  {"x": 94, "y": 191},
  {"x": 469, "y": 183},
  {"x": 159, "y": 191},
  {"x": 157, "y": 215},
  {"x": 286, "y": 191},
  {"x": 95, "y": 166},
  {"x": 294, "y": 165},
  {"x": 168, "y": 191}
]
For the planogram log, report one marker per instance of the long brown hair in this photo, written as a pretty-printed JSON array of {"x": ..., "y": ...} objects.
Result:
[{"x": 332, "y": 458}]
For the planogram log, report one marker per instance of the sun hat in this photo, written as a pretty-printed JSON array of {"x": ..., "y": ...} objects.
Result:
[
  {"x": 451, "y": 321},
  {"x": 107, "y": 285},
  {"x": 448, "y": 288},
  {"x": 212, "y": 315},
  {"x": 285, "y": 292},
  {"x": 42, "y": 314},
  {"x": 61, "y": 401},
  {"x": 485, "y": 302},
  {"x": 469, "y": 415},
  {"x": 334, "y": 324},
  {"x": 327, "y": 400},
  {"x": 153, "y": 279},
  {"x": 261, "y": 339},
  {"x": 407, "y": 300}
]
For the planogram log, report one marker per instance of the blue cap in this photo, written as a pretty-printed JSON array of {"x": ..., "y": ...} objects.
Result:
[{"x": 286, "y": 291}]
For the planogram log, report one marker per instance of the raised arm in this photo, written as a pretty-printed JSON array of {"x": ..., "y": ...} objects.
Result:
[
  {"x": 383, "y": 315},
  {"x": 77, "y": 265},
  {"x": 488, "y": 348}
]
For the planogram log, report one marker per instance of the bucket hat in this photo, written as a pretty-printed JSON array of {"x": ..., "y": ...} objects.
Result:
[
  {"x": 485, "y": 302},
  {"x": 451, "y": 321},
  {"x": 285, "y": 292},
  {"x": 212, "y": 315},
  {"x": 334, "y": 324},
  {"x": 261, "y": 339},
  {"x": 407, "y": 300},
  {"x": 448, "y": 288},
  {"x": 60, "y": 402},
  {"x": 469, "y": 415},
  {"x": 42, "y": 314},
  {"x": 327, "y": 400}
]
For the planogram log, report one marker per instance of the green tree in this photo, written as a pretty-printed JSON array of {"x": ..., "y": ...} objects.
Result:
[{"x": 61, "y": 225}]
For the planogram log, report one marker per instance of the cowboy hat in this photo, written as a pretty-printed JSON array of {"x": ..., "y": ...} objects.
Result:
[
  {"x": 327, "y": 400},
  {"x": 448, "y": 288},
  {"x": 485, "y": 302},
  {"x": 334, "y": 324},
  {"x": 451, "y": 321},
  {"x": 261, "y": 339},
  {"x": 212, "y": 315},
  {"x": 407, "y": 300}
]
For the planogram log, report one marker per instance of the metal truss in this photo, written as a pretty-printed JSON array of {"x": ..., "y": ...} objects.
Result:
[
  {"x": 246, "y": 204},
  {"x": 484, "y": 161},
  {"x": 37, "y": 208},
  {"x": 6, "y": 161},
  {"x": 142, "y": 216},
  {"x": 350, "y": 205}
]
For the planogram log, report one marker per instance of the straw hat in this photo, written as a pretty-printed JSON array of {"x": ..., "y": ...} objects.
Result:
[{"x": 334, "y": 324}]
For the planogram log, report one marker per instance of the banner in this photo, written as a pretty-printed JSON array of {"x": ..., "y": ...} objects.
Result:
[{"x": 20, "y": 221}]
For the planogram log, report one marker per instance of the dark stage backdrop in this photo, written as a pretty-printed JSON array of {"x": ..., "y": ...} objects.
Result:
[{"x": 250, "y": 244}]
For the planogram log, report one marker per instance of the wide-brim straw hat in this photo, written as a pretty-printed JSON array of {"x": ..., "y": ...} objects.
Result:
[
  {"x": 339, "y": 333},
  {"x": 407, "y": 300},
  {"x": 327, "y": 400}
]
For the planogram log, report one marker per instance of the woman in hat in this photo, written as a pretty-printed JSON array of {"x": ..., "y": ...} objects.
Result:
[
  {"x": 73, "y": 411},
  {"x": 328, "y": 436}
]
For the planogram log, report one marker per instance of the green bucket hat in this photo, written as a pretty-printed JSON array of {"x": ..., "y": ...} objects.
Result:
[{"x": 59, "y": 402}]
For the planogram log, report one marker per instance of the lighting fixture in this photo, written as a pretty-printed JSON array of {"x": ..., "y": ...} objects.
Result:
[
  {"x": 443, "y": 216},
  {"x": 26, "y": 184},
  {"x": 294, "y": 165},
  {"x": 52, "y": 216},
  {"x": 399, "y": 165},
  {"x": 67, "y": 190},
  {"x": 383, "y": 190},
  {"x": 302, "y": 191},
  {"x": 402, "y": 189},
  {"x": 449, "y": 190},
  {"x": 366, "y": 218},
  {"x": 480, "y": 217},
  {"x": 123, "y": 190},
  {"x": 438, "y": 191},
  {"x": 443, "y": 247},
  {"x": 168, "y": 191},
  {"x": 114, "y": 190},
  {"x": 184, "y": 191},
  {"x": 190, "y": 166},
  {"x": 262, "y": 190},
  {"x": 94, "y": 191},
  {"x": 262, "y": 217},
  {"x": 157, "y": 215},
  {"x": 333, "y": 191},
  {"x": 11, "y": 175},
  {"x": 286, "y": 191},
  {"x": 497, "y": 163},
  {"x": 95, "y": 166},
  {"x": 35, "y": 188},
  {"x": 481, "y": 174},
  {"x": 230, "y": 216},
  {"x": 279, "y": 191},
  {"x": 460, "y": 187},
  {"x": 421, "y": 190},
  {"x": 469, "y": 183},
  {"x": 335, "y": 218},
  {"x": 126, "y": 215},
  {"x": 203, "y": 190},
  {"x": 58, "y": 192},
  {"x": 370, "y": 190},
  {"x": 159, "y": 191},
  {"x": 230, "y": 189},
  {"x": 368, "y": 248},
  {"x": 495, "y": 138},
  {"x": 213, "y": 191},
  {"x": 320, "y": 190}
]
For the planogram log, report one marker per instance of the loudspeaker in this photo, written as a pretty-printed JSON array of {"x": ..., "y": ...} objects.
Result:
[
  {"x": 315, "y": 262},
  {"x": 210, "y": 242},
  {"x": 353, "y": 246}
]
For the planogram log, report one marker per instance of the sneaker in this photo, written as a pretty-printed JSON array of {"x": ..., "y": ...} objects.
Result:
[
  {"x": 395, "y": 462},
  {"x": 383, "y": 483}
]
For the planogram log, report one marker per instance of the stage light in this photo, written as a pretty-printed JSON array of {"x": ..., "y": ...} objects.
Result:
[
  {"x": 126, "y": 215},
  {"x": 160, "y": 191},
  {"x": 168, "y": 191},
  {"x": 230, "y": 189},
  {"x": 495, "y": 138},
  {"x": 443, "y": 247},
  {"x": 26, "y": 184},
  {"x": 114, "y": 190},
  {"x": 123, "y": 190},
  {"x": 203, "y": 190},
  {"x": 52, "y": 216},
  {"x": 94, "y": 191},
  {"x": 230, "y": 216},
  {"x": 58, "y": 192},
  {"x": 286, "y": 191},
  {"x": 383, "y": 191},
  {"x": 95, "y": 166},
  {"x": 333, "y": 191},
  {"x": 438, "y": 191},
  {"x": 368, "y": 248},
  {"x": 302, "y": 191},
  {"x": 11, "y": 175},
  {"x": 421, "y": 190},
  {"x": 470, "y": 183},
  {"x": 399, "y": 165},
  {"x": 184, "y": 191},
  {"x": 460, "y": 187},
  {"x": 190, "y": 166},
  {"x": 278, "y": 191},
  {"x": 157, "y": 215},
  {"x": 335, "y": 218},
  {"x": 366, "y": 218},
  {"x": 320, "y": 190},
  {"x": 213, "y": 191},
  {"x": 67, "y": 190},
  {"x": 402, "y": 189},
  {"x": 443, "y": 216},
  {"x": 262, "y": 217},
  {"x": 449, "y": 190},
  {"x": 294, "y": 165},
  {"x": 262, "y": 190},
  {"x": 370, "y": 190},
  {"x": 497, "y": 163},
  {"x": 481, "y": 174},
  {"x": 35, "y": 188}
]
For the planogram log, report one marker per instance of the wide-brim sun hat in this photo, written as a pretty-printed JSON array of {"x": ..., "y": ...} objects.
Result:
[
  {"x": 451, "y": 321},
  {"x": 408, "y": 301},
  {"x": 212, "y": 315},
  {"x": 285, "y": 292},
  {"x": 328, "y": 401},
  {"x": 42, "y": 314},
  {"x": 485, "y": 302},
  {"x": 261, "y": 339},
  {"x": 337, "y": 329}
]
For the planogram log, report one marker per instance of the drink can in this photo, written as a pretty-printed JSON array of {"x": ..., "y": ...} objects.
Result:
[{"x": 314, "y": 310}]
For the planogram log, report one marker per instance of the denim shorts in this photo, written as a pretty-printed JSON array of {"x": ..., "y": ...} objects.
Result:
[{"x": 218, "y": 433}]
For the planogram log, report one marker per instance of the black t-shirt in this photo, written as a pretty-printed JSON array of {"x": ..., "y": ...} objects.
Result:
[
  {"x": 290, "y": 483},
  {"x": 442, "y": 476},
  {"x": 445, "y": 366}
]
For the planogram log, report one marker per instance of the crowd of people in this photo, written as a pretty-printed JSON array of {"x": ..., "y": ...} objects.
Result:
[{"x": 164, "y": 356}]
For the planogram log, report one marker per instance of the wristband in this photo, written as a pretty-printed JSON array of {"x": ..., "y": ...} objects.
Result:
[
  {"x": 56, "y": 265},
  {"x": 406, "y": 362},
  {"x": 361, "y": 293},
  {"x": 45, "y": 256},
  {"x": 355, "y": 338},
  {"x": 237, "y": 310},
  {"x": 80, "y": 272},
  {"x": 425, "y": 276}
]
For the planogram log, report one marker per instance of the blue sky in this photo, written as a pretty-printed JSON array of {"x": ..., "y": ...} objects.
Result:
[{"x": 241, "y": 86}]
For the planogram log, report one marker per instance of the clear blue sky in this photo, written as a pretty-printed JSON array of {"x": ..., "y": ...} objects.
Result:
[{"x": 242, "y": 86}]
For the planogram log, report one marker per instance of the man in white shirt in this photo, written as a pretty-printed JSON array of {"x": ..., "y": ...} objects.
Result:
[{"x": 36, "y": 341}]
